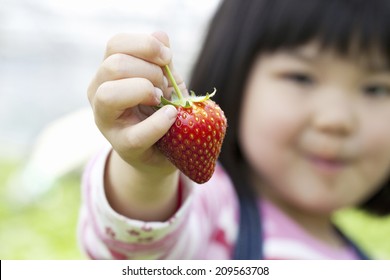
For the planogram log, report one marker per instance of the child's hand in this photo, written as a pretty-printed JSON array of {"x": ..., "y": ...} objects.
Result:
[{"x": 129, "y": 82}]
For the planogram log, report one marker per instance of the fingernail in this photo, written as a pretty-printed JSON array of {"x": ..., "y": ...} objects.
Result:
[
  {"x": 166, "y": 54},
  {"x": 170, "y": 111},
  {"x": 158, "y": 93},
  {"x": 165, "y": 82}
]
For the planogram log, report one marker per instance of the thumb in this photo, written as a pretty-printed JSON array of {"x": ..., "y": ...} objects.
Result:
[{"x": 146, "y": 133}]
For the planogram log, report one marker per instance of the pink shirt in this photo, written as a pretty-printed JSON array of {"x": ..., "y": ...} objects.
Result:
[{"x": 205, "y": 225}]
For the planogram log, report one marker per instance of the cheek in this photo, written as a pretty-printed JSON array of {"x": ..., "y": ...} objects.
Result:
[
  {"x": 376, "y": 139},
  {"x": 267, "y": 130},
  {"x": 375, "y": 143}
]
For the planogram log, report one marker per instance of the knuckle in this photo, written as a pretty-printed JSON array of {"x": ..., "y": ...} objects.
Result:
[
  {"x": 103, "y": 98},
  {"x": 158, "y": 75},
  {"x": 144, "y": 85},
  {"x": 152, "y": 47},
  {"x": 115, "y": 65},
  {"x": 149, "y": 87},
  {"x": 112, "y": 43}
]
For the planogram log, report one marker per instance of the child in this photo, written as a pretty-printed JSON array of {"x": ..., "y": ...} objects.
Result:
[{"x": 305, "y": 86}]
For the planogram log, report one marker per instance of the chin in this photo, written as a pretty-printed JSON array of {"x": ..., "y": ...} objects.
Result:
[{"x": 318, "y": 202}]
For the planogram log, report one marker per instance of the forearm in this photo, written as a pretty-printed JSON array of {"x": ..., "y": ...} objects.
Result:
[
  {"x": 106, "y": 234},
  {"x": 138, "y": 196}
]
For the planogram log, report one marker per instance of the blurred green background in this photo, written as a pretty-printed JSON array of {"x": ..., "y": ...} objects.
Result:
[
  {"x": 43, "y": 229},
  {"x": 46, "y": 228}
]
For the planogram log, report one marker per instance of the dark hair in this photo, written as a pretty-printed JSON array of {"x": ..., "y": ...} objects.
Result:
[{"x": 240, "y": 30}]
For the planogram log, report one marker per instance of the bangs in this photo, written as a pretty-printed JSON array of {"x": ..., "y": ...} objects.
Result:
[
  {"x": 240, "y": 30},
  {"x": 358, "y": 27}
]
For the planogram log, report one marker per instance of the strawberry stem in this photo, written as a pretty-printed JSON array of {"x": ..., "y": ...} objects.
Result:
[{"x": 173, "y": 81}]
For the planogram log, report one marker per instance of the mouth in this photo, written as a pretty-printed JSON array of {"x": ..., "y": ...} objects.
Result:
[{"x": 328, "y": 166}]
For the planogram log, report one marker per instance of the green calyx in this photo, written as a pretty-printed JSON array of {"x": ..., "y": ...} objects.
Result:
[{"x": 177, "y": 99}]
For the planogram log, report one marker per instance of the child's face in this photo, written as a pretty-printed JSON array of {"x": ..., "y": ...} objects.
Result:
[{"x": 315, "y": 128}]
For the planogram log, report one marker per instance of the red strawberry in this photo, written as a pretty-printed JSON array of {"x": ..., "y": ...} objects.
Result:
[{"x": 194, "y": 141}]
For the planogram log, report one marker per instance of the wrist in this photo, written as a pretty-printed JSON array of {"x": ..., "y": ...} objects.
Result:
[{"x": 138, "y": 194}]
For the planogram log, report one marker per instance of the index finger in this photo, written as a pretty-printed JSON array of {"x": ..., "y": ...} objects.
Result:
[{"x": 143, "y": 46}]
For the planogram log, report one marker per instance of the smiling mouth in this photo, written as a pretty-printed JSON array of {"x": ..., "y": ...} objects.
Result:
[{"x": 326, "y": 165}]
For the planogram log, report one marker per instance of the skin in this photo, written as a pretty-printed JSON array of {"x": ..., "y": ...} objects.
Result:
[
  {"x": 314, "y": 129},
  {"x": 140, "y": 182}
]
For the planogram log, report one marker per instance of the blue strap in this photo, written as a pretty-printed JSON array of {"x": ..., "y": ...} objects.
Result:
[
  {"x": 359, "y": 252},
  {"x": 249, "y": 245}
]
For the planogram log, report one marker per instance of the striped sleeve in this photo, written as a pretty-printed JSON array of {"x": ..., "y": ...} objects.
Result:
[{"x": 204, "y": 226}]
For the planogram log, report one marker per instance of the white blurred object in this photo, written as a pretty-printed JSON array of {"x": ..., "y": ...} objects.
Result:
[
  {"x": 56, "y": 47},
  {"x": 65, "y": 145}
]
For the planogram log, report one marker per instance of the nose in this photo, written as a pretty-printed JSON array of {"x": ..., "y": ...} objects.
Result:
[{"x": 335, "y": 114}]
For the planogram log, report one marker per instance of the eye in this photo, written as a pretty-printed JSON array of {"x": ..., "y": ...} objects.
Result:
[
  {"x": 300, "y": 78},
  {"x": 376, "y": 91}
]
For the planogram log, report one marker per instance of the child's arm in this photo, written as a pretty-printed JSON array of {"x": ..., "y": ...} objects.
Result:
[
  {"x": 139, "y": 181},
  {"x": 204, "y": 225},
  {"x": 134, "y": 194},
  {"x": 134, "y": 205}
]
